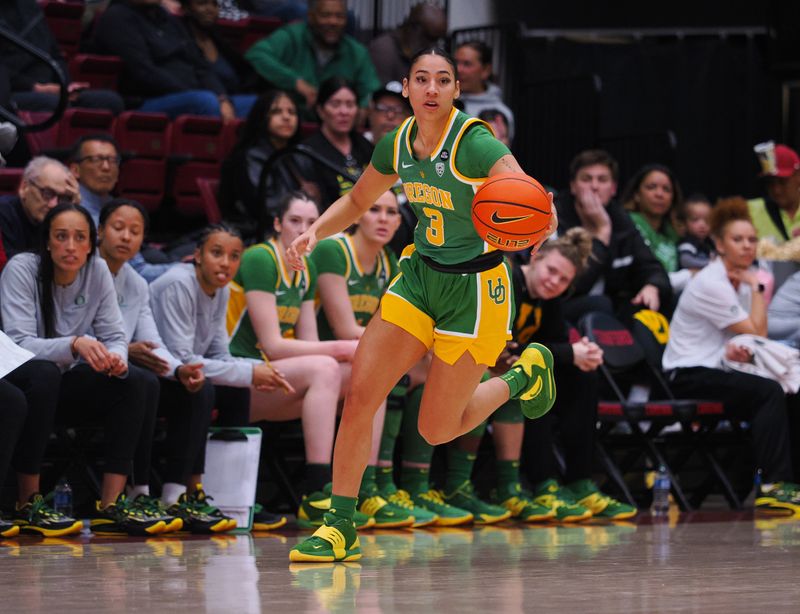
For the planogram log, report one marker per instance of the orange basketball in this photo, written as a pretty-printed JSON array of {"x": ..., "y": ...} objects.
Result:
[{"x": 511, "y": 211}]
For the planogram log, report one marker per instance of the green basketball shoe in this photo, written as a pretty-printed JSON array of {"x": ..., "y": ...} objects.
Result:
[
  {"x": 401, "y": 498},
  {"x": 314, "y": 506},
  {"x": 587, "y": 494},
  {"x": 536, "y": 362},
  {"x": 521, "y": 505},
  {"x": 449, "y": 515},
  {"x": 549, "y": 494},
  {"x": 386, "y": 515},
  {"x": 335, "y": 540},
  {"x": 465, "y": 498}
]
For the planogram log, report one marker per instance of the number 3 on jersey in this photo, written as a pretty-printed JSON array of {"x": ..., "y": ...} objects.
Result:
[{"x": 435, "y": 231}]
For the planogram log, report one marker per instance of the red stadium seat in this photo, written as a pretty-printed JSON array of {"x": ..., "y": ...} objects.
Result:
[
  {"x": 99, "y": 71},
  {"x": 208, "y": 194},
  {"x": 230, "y": 134},
  {"x": 43, "y": 140},
  {"x": 143, "y": 179},
  {"x": 257, "y": 28},
  {"x": 196, "y": 152},
  {"x": 232, "y": 31},
  {"x": 78, "y": 122},
  {"x": 9, "y": 180},
  {"x": 64, "y": 21},
  {"x": 144, "y": 135}
]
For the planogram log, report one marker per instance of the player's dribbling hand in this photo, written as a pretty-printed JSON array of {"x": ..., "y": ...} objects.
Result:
[
  {"x": 301, "y": 246},
  {"x": 551, "y": 227},
  {"x": 507, "y": 358}
]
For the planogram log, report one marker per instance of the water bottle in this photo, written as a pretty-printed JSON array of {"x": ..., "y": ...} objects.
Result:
[
  {"x": 661, "y": 488},
  {"x": 62, "y": 498}
]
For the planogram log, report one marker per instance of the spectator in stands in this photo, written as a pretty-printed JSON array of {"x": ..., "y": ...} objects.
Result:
[
  {"x": 123, "y": 224},
  {"x": 45, "y": 183},
  {"x": 163, "y": 64},
  {"x": 499, "y": 123},
  {"x": 387, "y": 110},
  {"x": 478, "y": 93},
  {"x": 94, "y": 161},
  {"x": 271, "y": 126},
  {"x": 189, "y": 303},
  {"x": 696, "y": 247},
  {"x": 622, "y": 267},
  {"x": 391, "y": 52},
  {"x": 200, "y": 17},
  {"x": 33, "y": 85},
  {"x": 61, "y": 305},
  {"x": 298, "y": 57},
  {"x": 723, "y": 300},
  {"x": 337, "y": 140},
  {"x": 29, "y": 397},
  {"x": 776, "y": 215},
  {"x": 652, "y": 197}
]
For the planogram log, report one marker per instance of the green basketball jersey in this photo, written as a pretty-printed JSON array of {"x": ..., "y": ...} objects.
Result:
[
  {"x": 263, "y": 268},
  {"x": 440, "y": 187},
  {"x": 338, "y": 255}
]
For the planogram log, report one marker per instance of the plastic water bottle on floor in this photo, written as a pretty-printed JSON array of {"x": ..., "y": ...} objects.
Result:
[
  {"x": 661, "y": 488},
  {"x": 62, "y": 498}
]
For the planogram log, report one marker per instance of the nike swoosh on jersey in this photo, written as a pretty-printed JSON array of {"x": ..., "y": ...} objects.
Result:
[
  {"x": 280, "y": 292},
  {"x": 352, "y": 282},
  {"x": 404, "y": 165},
  {"x": 507, "y": 220}
]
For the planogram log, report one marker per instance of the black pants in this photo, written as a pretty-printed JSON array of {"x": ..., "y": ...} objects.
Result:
[
  {"x": 119, "y": 404},
  {"x": 188, "y": 419},
  {"x": 575, "y": 413},
  {"x": 28, "y": 399},
  {"x": 759, "y": 400},
  {"x": 144, "y": 448}
]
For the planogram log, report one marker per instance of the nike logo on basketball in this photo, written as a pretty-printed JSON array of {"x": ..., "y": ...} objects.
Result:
[
  {"x": 507, "y": 220},
  {"x": 404, "y": 165}
]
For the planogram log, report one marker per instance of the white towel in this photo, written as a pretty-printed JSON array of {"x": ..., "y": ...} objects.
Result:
[{"x": 771, "y": 359}]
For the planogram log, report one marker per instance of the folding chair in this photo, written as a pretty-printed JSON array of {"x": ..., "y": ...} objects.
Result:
[
  {"x": 630, "y": 383},
  {"x": 651, "y": 331}
]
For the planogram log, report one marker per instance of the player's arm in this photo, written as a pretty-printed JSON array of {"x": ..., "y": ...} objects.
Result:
[
  {"x": 506, "y": 164},
  {"x": 341, "y": 214},
  {"x": 338, "y": 309}
]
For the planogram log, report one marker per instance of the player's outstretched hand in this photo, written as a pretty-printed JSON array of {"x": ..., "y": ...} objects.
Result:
[
  {"x": 551, "y": 227},
  {"x": 300, "y": 247}
]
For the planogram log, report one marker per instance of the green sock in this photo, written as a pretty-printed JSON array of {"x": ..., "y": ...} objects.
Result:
[
  {"x": 517, "y": 381},
  {"x": 391, "y": 429},
  {"x": 415, "y": 448},
  {"x": 459, "y": 467},
  {"x": 415, "y": 479},
  {"x": 343, "y": 507},
  {"x": 368, "y": 485},
  {"x": 384, "y": 478},
  {"x": 507, "y": 475}
]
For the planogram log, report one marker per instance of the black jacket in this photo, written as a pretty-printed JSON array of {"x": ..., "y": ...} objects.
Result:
[
  {"x": 19, "y": 233},
  {"x": 24, "y": 18},
  {"x": 539, "y": 320},
  {"x": 626, "y": 262},
  {"x": 159, "y": 53}
]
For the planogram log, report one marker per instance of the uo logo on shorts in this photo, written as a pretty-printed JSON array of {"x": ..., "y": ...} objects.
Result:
[{"x": 497, "y": 293}]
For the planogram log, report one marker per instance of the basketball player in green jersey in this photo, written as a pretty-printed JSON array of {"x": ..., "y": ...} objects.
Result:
[{"x": 452, "y": 294}]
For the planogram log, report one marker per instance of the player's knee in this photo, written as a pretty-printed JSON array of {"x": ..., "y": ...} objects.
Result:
[
  {"x": 324, "y": 368},
  {"x": 435, "y": 434}
]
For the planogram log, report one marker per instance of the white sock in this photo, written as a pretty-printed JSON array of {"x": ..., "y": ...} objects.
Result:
[
  {"x": 171, "y": 492},
  {"x": 135, "y": 491}
]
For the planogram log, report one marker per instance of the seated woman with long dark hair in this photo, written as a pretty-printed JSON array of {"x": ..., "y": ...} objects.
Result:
[
  {"x": 61, "y": 305},
  {"x": 272, "y": 125}
]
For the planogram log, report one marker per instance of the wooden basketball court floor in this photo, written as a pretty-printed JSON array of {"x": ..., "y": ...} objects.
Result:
[{"x": 703, "y": 562}]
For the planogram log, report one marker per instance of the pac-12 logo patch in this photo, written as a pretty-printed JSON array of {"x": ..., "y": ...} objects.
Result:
[{"x": 440, "y": 168}]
